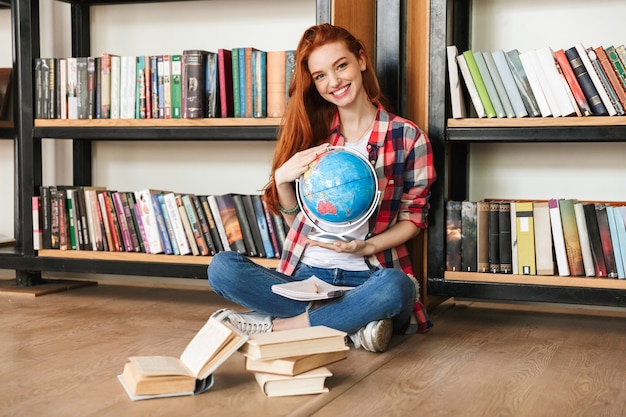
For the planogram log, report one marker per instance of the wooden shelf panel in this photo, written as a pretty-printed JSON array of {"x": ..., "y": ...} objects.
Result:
[
  {"x": 206, "y": 122},
  {"x": 140, "y": 257},
  {"x": 538, "y": 122},
  {"x": 557, "y": 281}
]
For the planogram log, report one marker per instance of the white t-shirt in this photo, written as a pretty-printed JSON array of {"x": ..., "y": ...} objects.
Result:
[{"x": 326, "y": 258}]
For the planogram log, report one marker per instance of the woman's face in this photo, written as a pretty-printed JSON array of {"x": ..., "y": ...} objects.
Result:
[{"x": 336, "y": 73}]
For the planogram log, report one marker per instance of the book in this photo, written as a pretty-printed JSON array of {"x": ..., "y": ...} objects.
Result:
[
  {"x": 36, "y": 216},
  {"x": 203, "y": 223},
  {"x": 468, "y": 237},
  {"x": 604, "y": 80},
  {"x": 513, "y": 220},
  {"x": 148, "y": 218},
  {"x": 230, "y": 221},
  {"x": 236, "y": 86},
  {"x": 471, "y": 87},
  {"x": 479, "y": 83},
  {"x": 605, "y": 238},
  {"x": 270, "y": 228},
  {"x": 525, "y": 238},
  {"x": 453, "y": 235},
  {"x": 176, "y": 222},
  {"x": 212, "y": 86},
  {"x": 147, "y": 377},
  {"x": 225, "y": 75},
  {"x": 529, "y": 62},
  {"x": 572, "y": 82},
  {"x": 594, "y": 240},
  {"x": 558, "y": 238},
  {"x": 611, "y": 74},
  {"x": 583, "y": 236},
  {"x": 160, "y": 214},
  {"x": 5, "y": 91},
  {"x": 456, "y": 95},
  {"x": 295, "y": 365},
  {"x": 215, "y": 235},
  {"x": 504, "y": 231},
  {"x": 309, "y": 289},
  {"x": 620, "y": 223},
  {"x": 499, "y": 84},
  {"x": 263, "y": 227},
  {"x": 189, "y": 235},
  {"x": 489, "y": 84},
  {"x": 521, "y": 80},
  {"x": 570, "y": 235},
  {"x": 276, "y": 96},
  {"x": 219, "y": 224},
  {"x": 62, "y": 88},
  {"x": 482, "y": 236},
  {"x": 176, "y": 85},
  {"x": 494, "y": 237},
  {"x": 618, "y": 65},
  {"x": 311, "y": 382},
  {"x": 259, "y": 83},
  {"x": 548, "y": 64},
  {"x": 45, "y": 214},
  {"x": 194, "y": 83},
  {"x": 585, "y": 82},
  {"x": 194, "y": 222},
  {"x": 116, "y": 74},
  {"x": 508, "y": 81},
  {"x": 287, "y": 343},
  {"x": 290, "y": 68},
  {"x": 251, "y": 218},
  {"x": 543, "y": 238},
  {"x": 245, "y": 225},
  {"x": 584, "y": 58},
  {"x": 617, "y": 252}
]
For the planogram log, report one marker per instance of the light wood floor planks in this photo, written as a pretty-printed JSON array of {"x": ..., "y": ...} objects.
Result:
[{"x": 60, "y": 355}]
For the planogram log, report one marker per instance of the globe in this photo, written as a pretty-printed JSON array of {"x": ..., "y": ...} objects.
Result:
[{"x": 339, "y": 190}]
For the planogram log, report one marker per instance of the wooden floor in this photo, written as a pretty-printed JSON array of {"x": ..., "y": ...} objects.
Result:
[{"x": 60, "y": 354}]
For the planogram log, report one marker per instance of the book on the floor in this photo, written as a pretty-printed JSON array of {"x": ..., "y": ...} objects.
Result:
[
  {"x": 287, "y": 343},
  {"x": 295, "y": 365},
  {"x": 147, "y": 377},
  {"x": 311, "y": 288},
  {"x": 311, "y": 382}
]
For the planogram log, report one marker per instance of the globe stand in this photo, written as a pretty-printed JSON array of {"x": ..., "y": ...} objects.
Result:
[{"x": 330, "y": 232}]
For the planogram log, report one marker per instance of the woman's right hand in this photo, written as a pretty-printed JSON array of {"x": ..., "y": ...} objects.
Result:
[{"x": 298, "y": 164}]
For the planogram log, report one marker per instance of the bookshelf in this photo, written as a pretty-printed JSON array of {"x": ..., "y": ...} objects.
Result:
[
  {"x": 455, "y": 139},
  {"x": 28, "y": 263}
]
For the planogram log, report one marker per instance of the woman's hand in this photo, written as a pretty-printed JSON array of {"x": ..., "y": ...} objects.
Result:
[
  {"x": 297, "y": 164},
  {"x": 358, "y": 247}
]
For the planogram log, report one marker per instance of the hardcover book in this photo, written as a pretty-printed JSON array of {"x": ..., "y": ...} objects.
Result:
[
  {"x": 456, "y": 95},
  {"x": 469, "y": 260},
  {"x": 482, "y": 236},
  {"x": 219, "y": 224},
  {"x": 614, "y": 81},
  {"x": 215, "y": 234},
  {"x": 212, "y": 86},
  {"x": 499, "y": 84},
  {"x": 489, "y": 84},
  {"x": 225, "y": 74},
  {"x": 194, "y": 83},
  {"x": 617, "y": 252},
  {"x": 193, "y": 245},
  {"x": 521, "y": 80},
  {"x": 605, "y": 237},
  {"x": 177, "y": 85},
  {"x": 251, "y": 217},
  {"x": 531, "y": 68},
  {"x": 149, "y": 220},
  {"x": 479, "y": 83},
  {"x": 604, "y": 80},
  {"x": 543, "y": 238},
  {"x": 570, "y": 235},
  {"x": 196, "y": 228},
  {"x": 471, "y": 87},
  {"x": 261, "y": 220},
  {"x": 245, "y": 225},
  {"x": 276, "y": 96},
  {"x": 585, "y": 82},
  {"x": 558, "y": 238},
  {"x": 453, "y": 235},
  {"x": 204, "y": 224},
  {"x": 230, "y": 220},
  {"x": 525, "y": 238},
  {"x": 287, "y": 343},
  {"x": 504, "y": 225},
  {"x": 595, "y": 240},
  {"x": 295, "y": 365},
  {"x": 617, "y": 64},
  {"x": 572, "y": 82},
  {"x": 259, "y": 83},
  {"x": 620, "y": 223},
  {"x": 146, "y": 377},
  {"x": 584, "y": 58},
  {"x": 583, "y": 236},
  {"x": 494, "y": 237},
  {"x": 311, "y": 382},
  {"x": 548, "y": 64},
  {"x": 510, "y": 86}
]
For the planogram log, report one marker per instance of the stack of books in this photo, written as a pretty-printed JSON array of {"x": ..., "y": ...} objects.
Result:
[{"x": 293, "y": 362}]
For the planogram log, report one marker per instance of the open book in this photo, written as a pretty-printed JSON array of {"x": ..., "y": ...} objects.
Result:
[
  {"x": 311, "y": 288},
  {"x": 147, "y": 377}
]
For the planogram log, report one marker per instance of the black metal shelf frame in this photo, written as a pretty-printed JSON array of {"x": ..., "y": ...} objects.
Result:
[
  {"x": 450, "y": 24},
  {"x": 26, "y": 44}
]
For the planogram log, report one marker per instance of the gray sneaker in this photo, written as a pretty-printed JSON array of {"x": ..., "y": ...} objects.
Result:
[
  {"x": 374, "y": 336},
  {"x": 249, "y": 322}
]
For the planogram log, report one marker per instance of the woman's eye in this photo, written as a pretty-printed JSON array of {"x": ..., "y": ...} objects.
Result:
[
  {"x": 318, "y": 77},
  {"x": 342, "y": 66}
]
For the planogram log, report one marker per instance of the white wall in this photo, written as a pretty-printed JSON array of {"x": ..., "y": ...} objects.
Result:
[{"x": 594, "y": 171}]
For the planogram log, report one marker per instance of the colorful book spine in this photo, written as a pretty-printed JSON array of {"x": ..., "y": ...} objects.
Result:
[
  {"x": 177, "y": 85},
  {"x": 469, "y": 244},
  {"x": 453, "y": 235},
  {"x": 525, "y": 238},
  {"x": 259, "y": 83},
  {"x": 572, "y": 82}
]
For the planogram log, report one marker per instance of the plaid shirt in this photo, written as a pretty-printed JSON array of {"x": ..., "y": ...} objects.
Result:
[{"x": 403, "y": 160}]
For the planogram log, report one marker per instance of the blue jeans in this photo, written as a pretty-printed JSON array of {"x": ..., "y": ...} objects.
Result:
[{"x": 382, "y": 293}]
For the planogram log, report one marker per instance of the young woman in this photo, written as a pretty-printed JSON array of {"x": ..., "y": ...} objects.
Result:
[{"x": 335, "y": 100}]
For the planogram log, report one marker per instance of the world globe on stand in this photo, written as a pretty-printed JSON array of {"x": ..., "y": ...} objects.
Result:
[{"x": 339, "y": 191}]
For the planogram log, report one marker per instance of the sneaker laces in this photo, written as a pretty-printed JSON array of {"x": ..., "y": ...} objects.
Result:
[{"x": 249, "y": 322}]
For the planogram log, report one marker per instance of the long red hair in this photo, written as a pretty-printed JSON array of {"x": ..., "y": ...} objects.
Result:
[{"x": 308, "y": 116}]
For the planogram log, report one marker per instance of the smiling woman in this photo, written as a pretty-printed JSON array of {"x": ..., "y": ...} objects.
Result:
[{"x": 335, "y": 100}]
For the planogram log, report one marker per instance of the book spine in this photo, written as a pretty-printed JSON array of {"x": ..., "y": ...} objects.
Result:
[
  {"x": 127, "y": 205},
  {"x": 116, "y": 75},
  {"x": 262, "y": 223},
  {"x": 453, "y": 235},
  {"x": 46, "y": 217},
  {"x": 212, "y": 86},
  {"x": 235, "y": 80},
  {"x": 230, "y": 221},
  {"x": 162, "y": 227},
  {"x": 612, "y": 76},
  {"x": 122, "y": 221},
  {"x": 521, "y": 80},
  {"x": 36, "y": 215},
  {"x": 194, "y": 74},
  {"x": 572, "y": 82},
  {"x": 270, "y": 228},
  {"x": 219, "y": 224},
  {"x": 259, "y": 84},
  {"x": 469, "y": 215},
  {"x": 140, "y": 88},
  {"x": 167, "y": 87},
  {"x": 203, "y": 224},
  {"x": 154, "y": 85},
  {"x": 186, "y": 223},
  {"x": 508, "y": 81},
  {"x": 248, "y": 206},
  {"x": 606, "y": 84},
  {"x": 594, "y": 239},
  {"x": 215, "y": 235},
  {"x": 174, "y": 223},
  {"x": 619, "y": 265},
  {"x": 494, "y": 237},
  {"x": 225, "y": 75},
  {"x": 530, "y": 68},
  {"x": 246, "y": 227},
  {"x": 177, "y": 86},
  {"x": 246, "y": 81},
  {"x": 195, "y": 225},
  {"x": 504, "y": 225},
  {"x": 276, "y": 83},
  {"x": 584, "y": 57},
  {"x": 525, "y": 238},
  {"x": 499, "y": 86},
  {"x": 570, "y": 235},
  {"x": 605, "y": 238},
  {"x": 105, "y": 222},
  {"x": 482, "y": 236},
  {"x": 471, "y": 87},
  {"x": 470, "y": 60}
]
